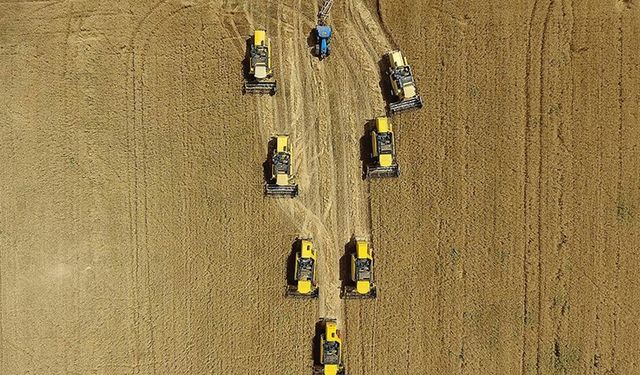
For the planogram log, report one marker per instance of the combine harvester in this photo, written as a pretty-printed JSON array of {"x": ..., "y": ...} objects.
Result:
[
  {"x": 260, "y": 68},
  {"x": 305, "y": 272},
  {"x": 323, "y": 32},
  {"x": 383, "y": 151},
  {"x": 330, "y": 350},
  {"x": 403, "y": 87},
  {"x": 281, "y": 182},
  {"x": 362, "y": 279}
]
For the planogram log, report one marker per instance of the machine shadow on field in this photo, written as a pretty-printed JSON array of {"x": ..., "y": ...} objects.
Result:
[
  {"x": 246, "y": 62},
  {"x": 345, "y": 264},
  {"x": 316, "y": 342},
  {"x": 291, "y": 262},
  {"x": 311, "y": 42},
  {"x": 365, "y": 148},
  {"x": 385, "y": 85},
  {"x": 266, "y": 166}
]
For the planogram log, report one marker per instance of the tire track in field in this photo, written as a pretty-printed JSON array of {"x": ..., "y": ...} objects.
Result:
[
  {"x": 295, "y": 111},
  {"x": 138, "y": 203},
  {"x": 366, "y": 34},
  {"x": 334, "y": 202},
  {"x": 325, "y": 128}
]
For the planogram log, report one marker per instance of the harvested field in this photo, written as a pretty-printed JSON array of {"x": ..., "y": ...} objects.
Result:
[{"x": 135, "y": 239}]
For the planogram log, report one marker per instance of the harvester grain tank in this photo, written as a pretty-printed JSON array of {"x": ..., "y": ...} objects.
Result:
[
  {"x": 330, "y": 362},
  {"x": 305, "y": 271},
  {"x": 403, "y": 87},
  {"x": 383, "y": 150},
  {"x": 362, "y": 277},
  {"x": 260, "y": 69},
  {"x": 281, "y": 181}
]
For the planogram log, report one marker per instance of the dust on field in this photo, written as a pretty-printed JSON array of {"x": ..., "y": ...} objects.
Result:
[{"x": 134, "y": 237}]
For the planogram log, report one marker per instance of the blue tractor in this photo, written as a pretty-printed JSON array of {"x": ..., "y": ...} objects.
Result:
[{"x": 323, "y": 41}]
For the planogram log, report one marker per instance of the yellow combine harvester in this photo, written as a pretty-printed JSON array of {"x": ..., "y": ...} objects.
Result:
[
  {"x": 305, "y": 272},
  {"x": 281, "y": 182},
  {"x": 260, "y": 68},
  {"x": 330, "y": 350},
  {"x": 403, "y": 87},
  {"x": 383, "y": 151},
  {"x": 362, "y": 278}
]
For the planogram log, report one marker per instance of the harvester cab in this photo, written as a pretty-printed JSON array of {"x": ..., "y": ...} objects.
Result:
[
  {"x": 260, "y": 70},
  {"x": 281, "y": 182},
  {"x": 305, "y": 272},
  {"x": 323, "y": 41},
  {"x": 403, "y": 88},
  {"x": 330, "y": 350},
  {"x": 362, "y": 278},
  {"x": 383, "y": 151}
]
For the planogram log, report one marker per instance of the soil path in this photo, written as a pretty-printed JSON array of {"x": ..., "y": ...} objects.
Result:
[{"x": 324, "y": 106}]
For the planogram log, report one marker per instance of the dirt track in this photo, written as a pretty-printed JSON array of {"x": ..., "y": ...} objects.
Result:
[{"x": 134, "y": 238}]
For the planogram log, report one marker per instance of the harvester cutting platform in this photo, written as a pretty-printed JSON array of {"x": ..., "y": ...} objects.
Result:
[
  {"x": 383, "y": 151},
  {"x": 403, "y": 87},
  {"x": 362, "y": 279},
  {"x": 260, "y": 69},
  {"x": 305, "y": 272},
  {"x": 281, "y": 181},
  {"x": 330, "y": 361}
]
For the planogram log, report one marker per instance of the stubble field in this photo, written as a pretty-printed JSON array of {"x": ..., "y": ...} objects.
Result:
[{"x": 135, "y": 239}]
